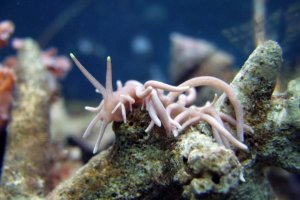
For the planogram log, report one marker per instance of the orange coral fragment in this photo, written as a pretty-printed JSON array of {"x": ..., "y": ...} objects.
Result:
[{"x": 7, "y": 83}]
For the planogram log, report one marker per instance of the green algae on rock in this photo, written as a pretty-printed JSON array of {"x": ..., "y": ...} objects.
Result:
[
  {"x": 150, "y": 165},
  {"x": 255, "y": 82},
  {"x": 137, "y": 166},
  {"x": 275, "y": 120},
  {"x": 282, "y": 146},
  {"x": 209, "y": 168}
]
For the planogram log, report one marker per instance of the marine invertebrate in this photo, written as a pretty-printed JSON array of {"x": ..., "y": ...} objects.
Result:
[{"x": 167, "y": 110}]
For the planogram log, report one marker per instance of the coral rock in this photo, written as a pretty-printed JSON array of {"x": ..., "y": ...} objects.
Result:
[{"x": 27, "y": 153}]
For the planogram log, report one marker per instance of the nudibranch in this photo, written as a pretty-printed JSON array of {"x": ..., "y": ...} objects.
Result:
[{"x": 168, "y": 106}]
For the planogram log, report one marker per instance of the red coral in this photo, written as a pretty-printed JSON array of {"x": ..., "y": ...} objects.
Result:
[{"x": 59, "y": 66}]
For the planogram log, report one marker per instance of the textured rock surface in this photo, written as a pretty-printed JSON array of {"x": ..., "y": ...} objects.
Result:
[
  {"x": 148, "y": 165},
  {"x": 209, "y": 169},
  {"x": 281, "y": 144},
  {"x": 275, "y": 120},
  {"x": 138, "y": 166},
  {"x": 255, "y": 82},
  {"x": 151, "y": 166},
  {"x": 26, "y": 160}
]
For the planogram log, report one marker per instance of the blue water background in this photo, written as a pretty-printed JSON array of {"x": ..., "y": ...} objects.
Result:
[{"x": 112, "y": 26}]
